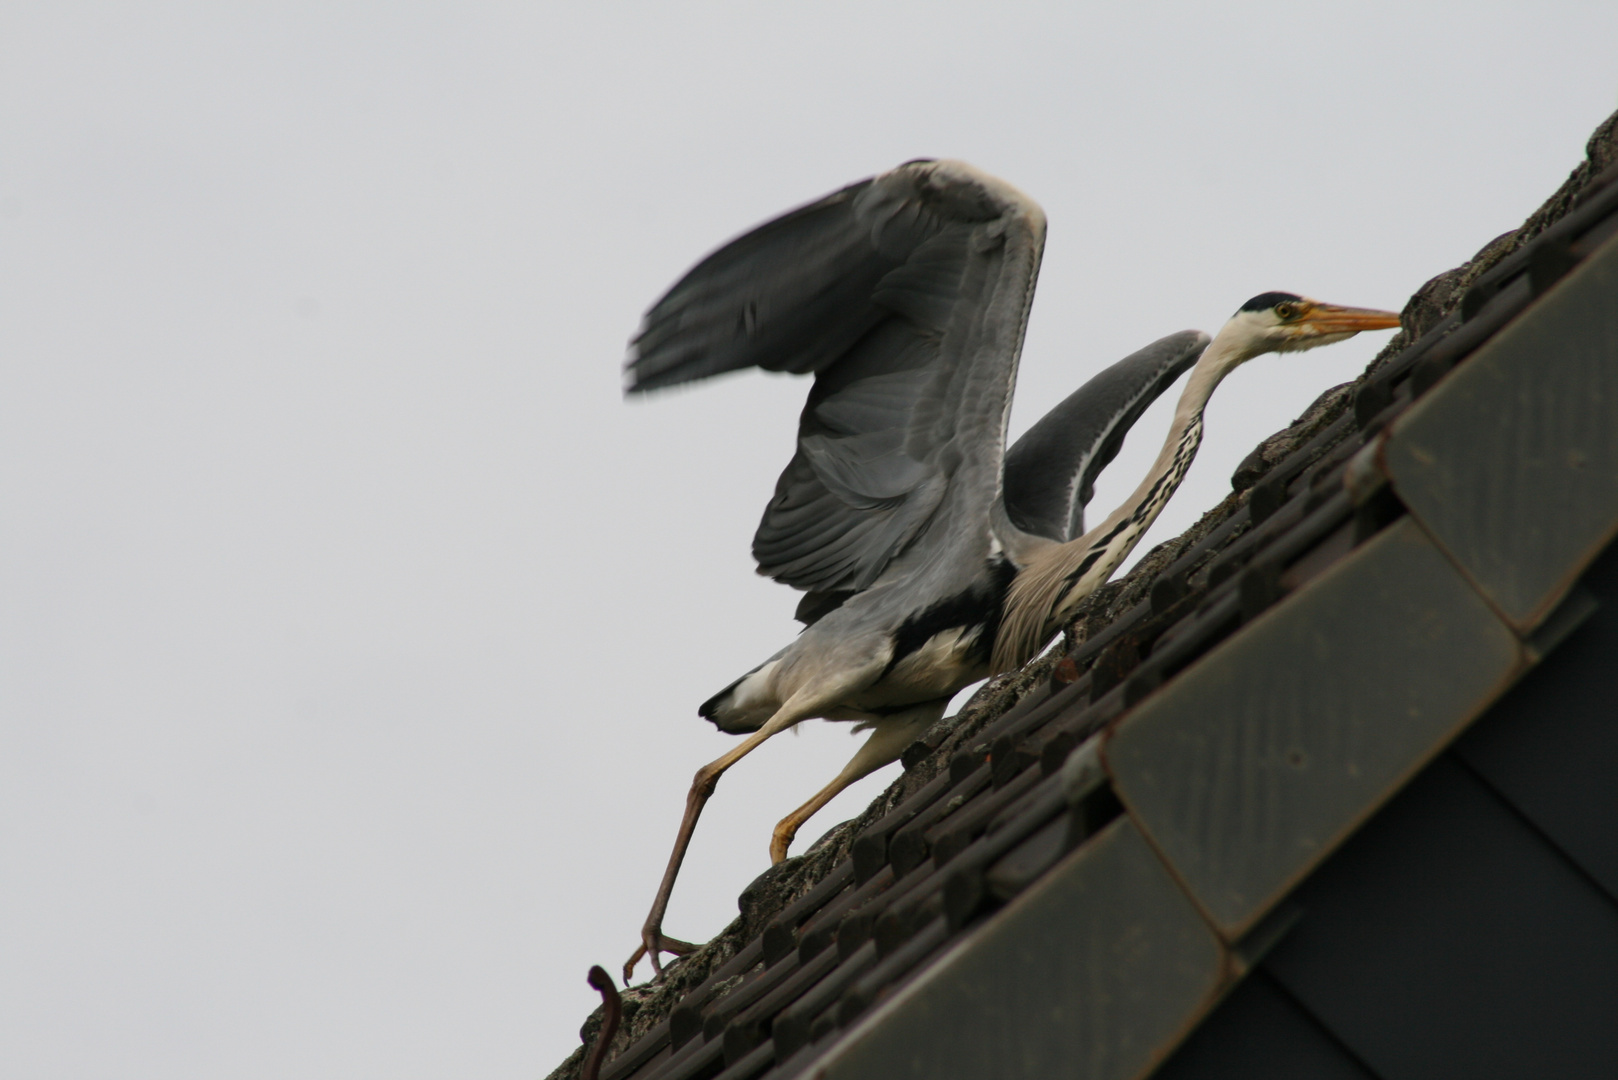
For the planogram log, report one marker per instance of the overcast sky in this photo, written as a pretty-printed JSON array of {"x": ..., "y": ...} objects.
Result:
[{"x": 352, "y": 626}]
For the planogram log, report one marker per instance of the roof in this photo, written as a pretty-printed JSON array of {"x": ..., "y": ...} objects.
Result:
[{"x": 1232, "y": 802}]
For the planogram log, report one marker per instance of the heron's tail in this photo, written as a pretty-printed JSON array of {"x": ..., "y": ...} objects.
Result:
[{"x": 744, "y": 705}]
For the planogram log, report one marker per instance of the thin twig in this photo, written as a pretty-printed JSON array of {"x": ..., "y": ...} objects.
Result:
[{"x": 609, "y": 1024}]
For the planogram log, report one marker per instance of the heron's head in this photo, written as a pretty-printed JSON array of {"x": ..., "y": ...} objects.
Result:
[{"x": 1285, "y": 322}]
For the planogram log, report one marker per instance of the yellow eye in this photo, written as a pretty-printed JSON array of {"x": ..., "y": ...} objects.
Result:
[{"x": 1286, "y": 310}]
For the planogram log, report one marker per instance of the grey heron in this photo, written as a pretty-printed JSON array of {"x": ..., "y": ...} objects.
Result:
[{"x": 930, "y": 556}]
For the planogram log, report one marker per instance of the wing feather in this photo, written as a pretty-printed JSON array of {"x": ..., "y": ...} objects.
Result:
[
  {"x": 906, "y": 296},
  {"x": 1051, "y": 471}
]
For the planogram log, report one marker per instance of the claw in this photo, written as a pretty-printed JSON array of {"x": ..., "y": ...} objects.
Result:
[
  {"x": 654, "y": 943},
  {"x": 629, "y": 965}
]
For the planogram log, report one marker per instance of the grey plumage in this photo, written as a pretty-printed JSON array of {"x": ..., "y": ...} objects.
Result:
[
  {"x": 906, "y": 296},
  {"x": 1050, "y": 472},
  {"x": 929, "y": 556},
  {"x": 882, "y": 291}
]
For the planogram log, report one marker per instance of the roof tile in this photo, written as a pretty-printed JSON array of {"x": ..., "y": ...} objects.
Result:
[
  {"x": 1513, "y": 467},
  {"x": 1260, "y": 758},
  {"x": 1108, "y": 926}
]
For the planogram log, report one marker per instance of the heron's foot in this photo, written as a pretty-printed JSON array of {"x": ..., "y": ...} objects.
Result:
[
  {"x": 780, "y": 840},
  {"x": 653, "y": 943}
]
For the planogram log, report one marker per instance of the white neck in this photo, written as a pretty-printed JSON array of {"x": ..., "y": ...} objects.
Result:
[{"x": 1232, "y": 348}]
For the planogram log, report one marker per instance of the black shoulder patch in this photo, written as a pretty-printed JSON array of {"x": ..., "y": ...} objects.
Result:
[
  {"x": 1265, "y": 301},
  {"x": 981, "y": 604}
]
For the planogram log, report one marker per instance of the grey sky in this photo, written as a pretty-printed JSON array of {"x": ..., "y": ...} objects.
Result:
[{"x": 352, "y": 625}]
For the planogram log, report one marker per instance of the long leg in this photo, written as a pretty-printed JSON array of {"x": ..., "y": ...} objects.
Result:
[
  {"x": 653, "y": 942},
  {"x": 889, "y": 739}
]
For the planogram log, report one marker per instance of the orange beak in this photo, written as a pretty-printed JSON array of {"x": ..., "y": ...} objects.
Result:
[{"x": 1331, "y": 319}]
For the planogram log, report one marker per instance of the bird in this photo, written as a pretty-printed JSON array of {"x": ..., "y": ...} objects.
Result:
[{"x": 930, "y": 556}]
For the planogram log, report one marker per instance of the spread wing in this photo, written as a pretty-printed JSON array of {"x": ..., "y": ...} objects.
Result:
[
  {"x": 907, "y": 296},
  {"x": 1051, "y": 471}
]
